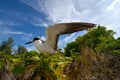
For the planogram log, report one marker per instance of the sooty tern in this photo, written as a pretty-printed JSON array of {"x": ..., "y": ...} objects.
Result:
[{"x": 53, "y": 33}]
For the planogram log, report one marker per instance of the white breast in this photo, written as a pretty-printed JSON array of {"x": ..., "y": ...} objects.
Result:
[{"x": 43, "y": 47}]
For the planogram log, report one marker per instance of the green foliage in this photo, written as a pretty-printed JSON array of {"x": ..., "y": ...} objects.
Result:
[
  {"x": 58, "y": 67},
  {"x": 71, "y": 48},
  {"x": 115, "y": 47},
  {"x": 6, "y": 46},
  {"x": 44, "y": 67},
  {"x": 21, "y": 50},
  {"x": 98, "y": 39},
  {"x": 30, "y": 57},
  {"x": 18, "y": 68},
  {"x": 1, "y": 59},
  {"x": 82, "y": 63}
]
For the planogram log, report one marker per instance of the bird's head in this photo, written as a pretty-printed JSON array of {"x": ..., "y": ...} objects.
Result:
[{"x": 36, "y": 40}]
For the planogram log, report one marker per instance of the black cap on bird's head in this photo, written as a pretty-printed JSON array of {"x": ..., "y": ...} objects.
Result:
[{"x": 34, "y": 39}]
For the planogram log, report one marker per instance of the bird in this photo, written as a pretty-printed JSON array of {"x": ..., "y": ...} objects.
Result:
[{"x": 53, "y": 32}]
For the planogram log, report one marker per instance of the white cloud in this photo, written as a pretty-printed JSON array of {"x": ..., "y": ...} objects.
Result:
[
  {"x": 39, "y": 22},
  {"x": 11, "y": 32},
  {"x": 17, "y": 33},
  {"x": 62, "y": 43},
  {"x": 60, "y": 11},
  {"x": 43, "y": 38},
  {"x": 104, "y": 12},
  {"x": 112, "y": 5},
  {"x": 24, "y": 36},
  {"x": 69, "y": 37},
  {"x": 8, "y": 23}
]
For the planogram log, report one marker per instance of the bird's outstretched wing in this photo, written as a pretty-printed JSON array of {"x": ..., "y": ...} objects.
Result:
[{"x": 53, "y": 32}]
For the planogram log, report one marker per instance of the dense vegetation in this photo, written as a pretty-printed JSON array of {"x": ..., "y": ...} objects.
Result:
[
  {"x": 99, "y": 40},
  {"x": 93, "y": 56}
]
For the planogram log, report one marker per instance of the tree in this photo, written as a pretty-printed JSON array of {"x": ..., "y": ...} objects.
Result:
[
  {"x": 114, "y": 46},
  {"x": 99, "y": 38},
  {"x": 96, "y": 39},
  {"x": 71, "y": 48},
  {"x": 21, "y": 50},
  {"x": 6, "y": 46}
]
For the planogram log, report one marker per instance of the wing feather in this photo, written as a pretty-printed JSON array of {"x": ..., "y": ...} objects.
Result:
[{"x": 53, "y": 32}]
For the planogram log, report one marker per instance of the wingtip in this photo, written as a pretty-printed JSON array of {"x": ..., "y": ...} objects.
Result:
[{"x": 92, "y": 25}]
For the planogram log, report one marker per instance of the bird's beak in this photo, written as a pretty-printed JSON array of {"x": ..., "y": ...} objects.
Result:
[{"x": 29, "y": 42}]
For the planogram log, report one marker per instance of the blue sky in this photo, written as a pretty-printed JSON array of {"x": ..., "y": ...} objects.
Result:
[{"x": 25, "y": 19}]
